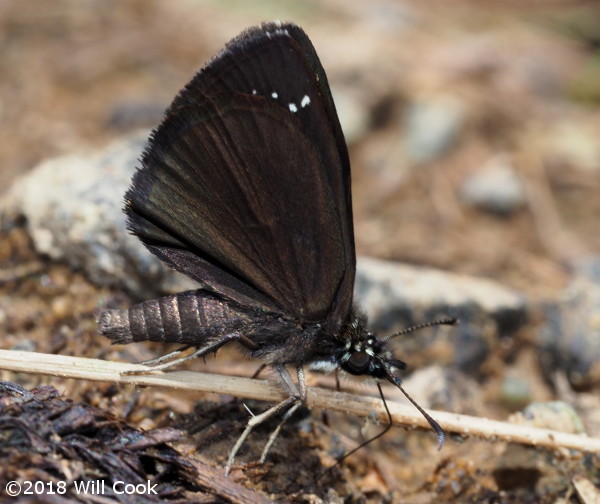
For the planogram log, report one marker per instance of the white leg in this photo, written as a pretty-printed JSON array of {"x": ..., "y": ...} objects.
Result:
[{"x": 297, "y": 397}]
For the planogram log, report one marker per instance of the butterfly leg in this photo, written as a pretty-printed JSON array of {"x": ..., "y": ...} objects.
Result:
[
  {"x": 300, "y": 400},
  {"x": 166, "y": 357},
  {"x": 159, "y": 364},
  {"x": 259, "y": 370},
  {"x": 296, "y": 398}
]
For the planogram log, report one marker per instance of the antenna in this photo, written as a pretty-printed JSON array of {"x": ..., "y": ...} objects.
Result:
[{"x": 408, "y": 330}]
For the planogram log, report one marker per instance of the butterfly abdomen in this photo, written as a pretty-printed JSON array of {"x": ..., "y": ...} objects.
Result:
[{"x": 187, "y": 317}]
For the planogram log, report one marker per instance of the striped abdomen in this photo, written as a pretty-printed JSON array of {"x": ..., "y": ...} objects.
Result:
[{"x": 187, "y": 317}]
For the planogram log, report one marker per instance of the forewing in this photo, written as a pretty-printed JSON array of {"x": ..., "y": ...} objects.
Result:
[{"x": 245, "y": 186}]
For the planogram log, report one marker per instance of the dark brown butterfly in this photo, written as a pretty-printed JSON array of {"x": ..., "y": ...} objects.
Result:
[{"x": 245, "y": 188}]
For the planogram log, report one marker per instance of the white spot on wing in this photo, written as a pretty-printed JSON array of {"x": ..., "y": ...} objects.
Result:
[
  {"x": 305, "y": 101},
  {"x": 274, "y": 95},
  {"x": 293, "y": 107},
  {"x": 254, "y": 91}
]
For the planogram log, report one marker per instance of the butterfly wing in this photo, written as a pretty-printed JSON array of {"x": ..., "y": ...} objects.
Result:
[{"x": 245, "y": 186}]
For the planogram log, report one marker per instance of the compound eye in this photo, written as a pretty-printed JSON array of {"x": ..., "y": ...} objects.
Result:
[{"x": 358, "y": 362}]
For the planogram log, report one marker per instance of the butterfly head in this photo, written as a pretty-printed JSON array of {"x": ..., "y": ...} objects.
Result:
[
  {"x": 358, "y": 352},
  {"x": 363, "y": 354}
]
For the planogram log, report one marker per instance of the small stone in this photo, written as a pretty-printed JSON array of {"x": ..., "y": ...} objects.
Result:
[
  {"x": 61, "y": 307},
  {"x": 515, "y": 391},
  {"x": 495, "y": 188},
  {"x": 433, "y": 126},
  {"x": 444, "y": 388},
  {"x": 570, "y": 338},
  {"x": 73, "y": 208},
  {"x": 554, "y": 415}
]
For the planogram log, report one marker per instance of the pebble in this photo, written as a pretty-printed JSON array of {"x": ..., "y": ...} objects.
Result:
[
  {"x": 570, "y": 338},
  {"x": 495, "y": 188},
  {"x": 433, "y": 125},
  {"x": 73, "y": 209}
]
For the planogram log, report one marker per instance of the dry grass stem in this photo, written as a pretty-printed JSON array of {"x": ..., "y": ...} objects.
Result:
[{"x": 403, "y": 415}]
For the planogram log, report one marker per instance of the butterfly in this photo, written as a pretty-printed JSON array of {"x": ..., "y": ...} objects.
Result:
[{"x": 245, "y": 188}]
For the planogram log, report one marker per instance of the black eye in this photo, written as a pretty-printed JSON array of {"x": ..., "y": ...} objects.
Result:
[{"x": 358, "y": 362}]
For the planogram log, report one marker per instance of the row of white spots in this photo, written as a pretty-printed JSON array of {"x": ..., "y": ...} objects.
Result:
[
  {"x": 305, "y": 102},
  {"x": 306, "y": 99}
]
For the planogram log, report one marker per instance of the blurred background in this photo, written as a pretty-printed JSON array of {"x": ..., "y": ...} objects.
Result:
[
  {"x": 473, "y": 129},
  {"x": 473, "y": 126}
]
